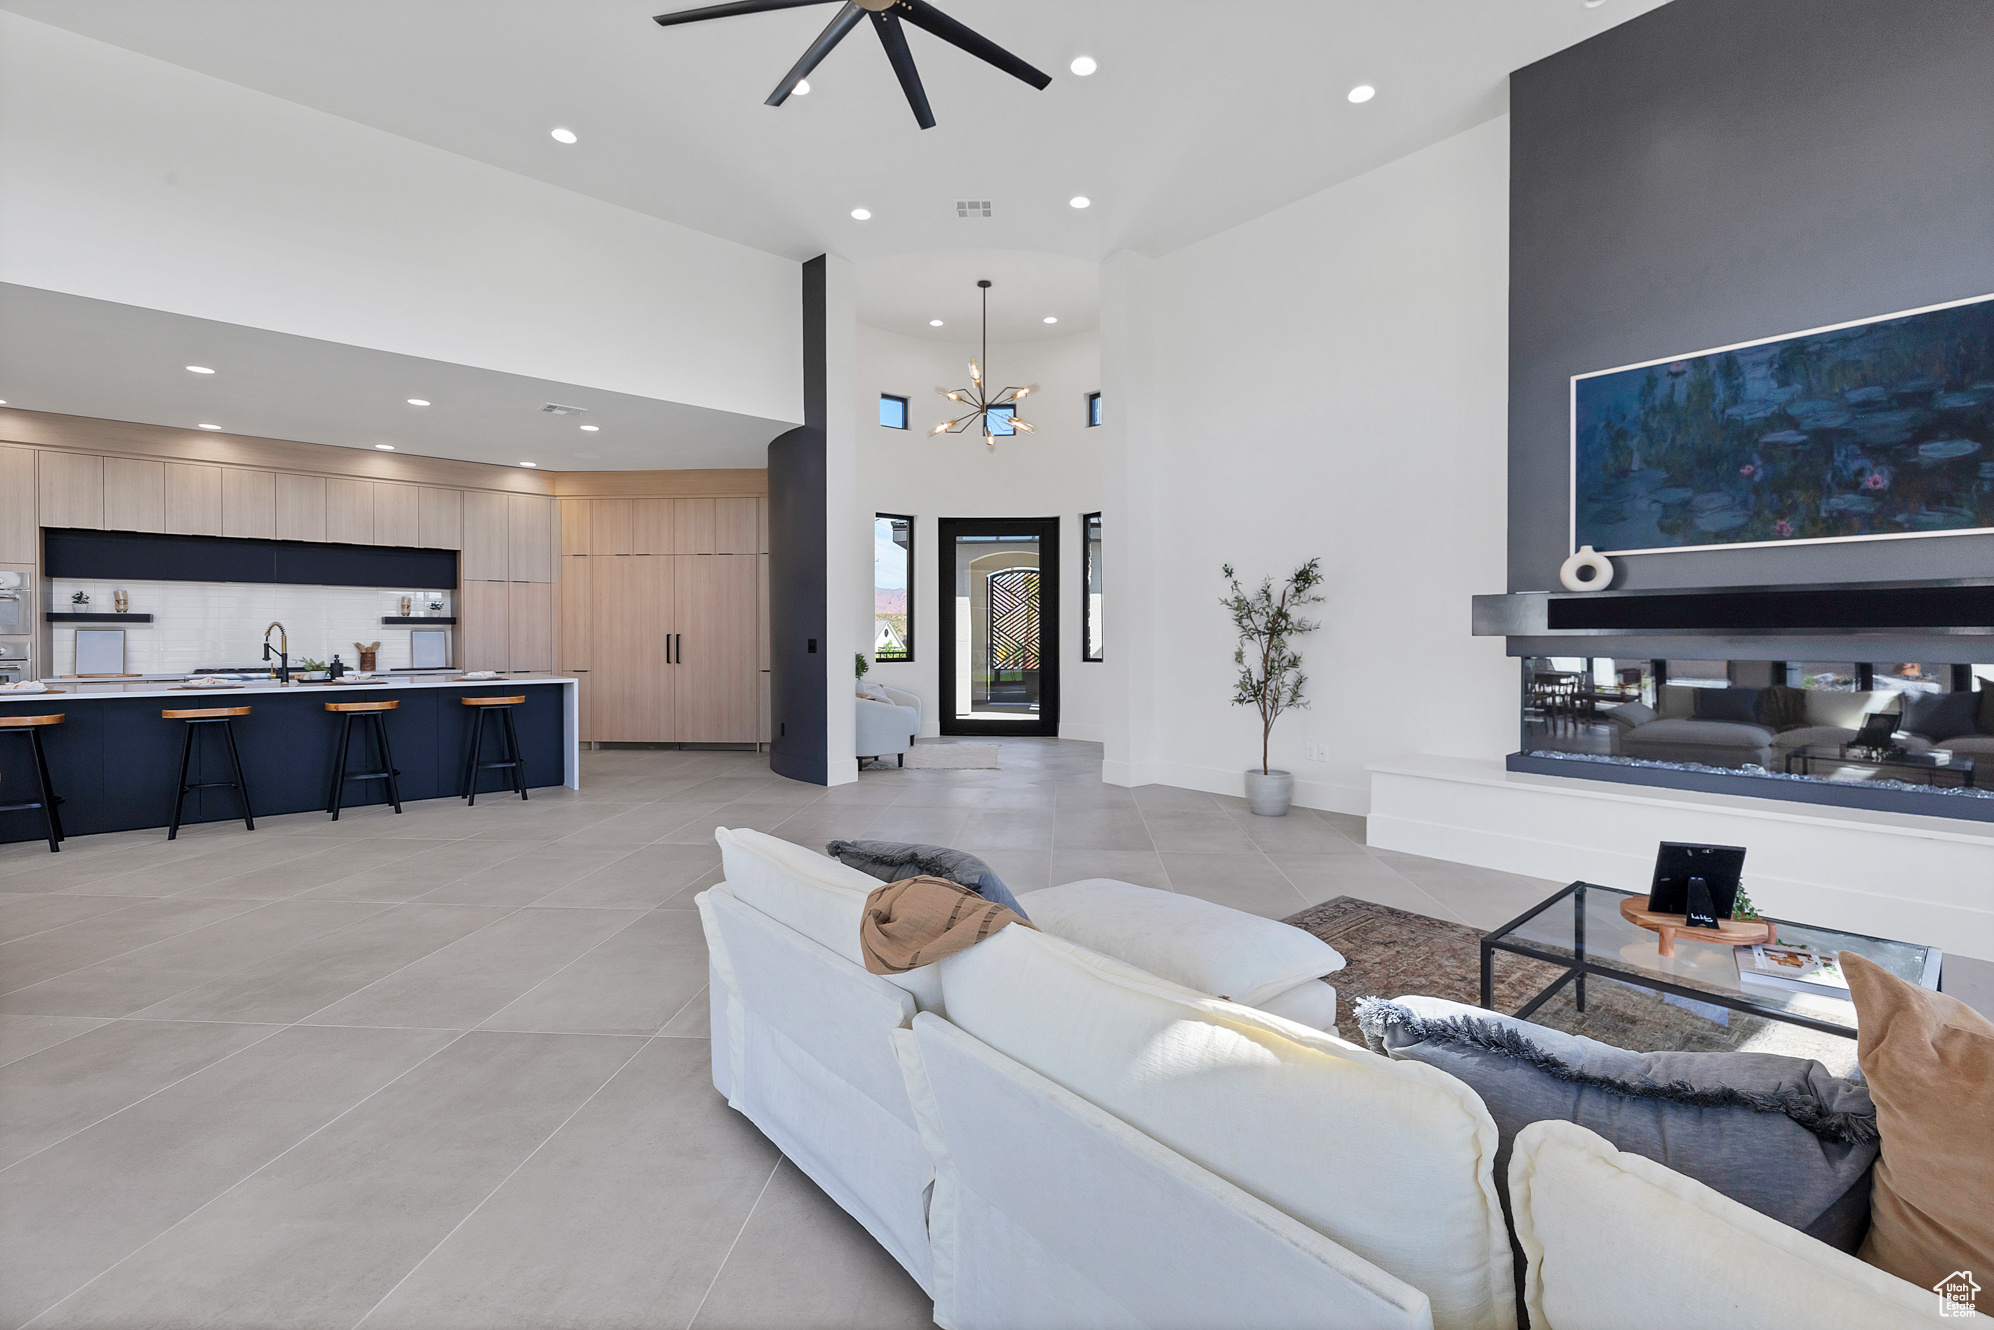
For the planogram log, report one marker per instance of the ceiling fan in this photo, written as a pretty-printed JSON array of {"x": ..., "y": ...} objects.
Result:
[{"x": 886, "y": 16}]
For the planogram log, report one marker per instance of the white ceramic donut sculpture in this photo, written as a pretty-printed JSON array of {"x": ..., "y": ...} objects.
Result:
[{"x": 1587, "y": 558}]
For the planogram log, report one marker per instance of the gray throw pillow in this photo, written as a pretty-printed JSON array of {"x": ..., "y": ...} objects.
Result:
[
  {"x": 1778, "y": 1134},
  {"x": 1735, "y": 704},
  {"x": 893, "y": 861},
  {"x": 1941, "y": 716}
]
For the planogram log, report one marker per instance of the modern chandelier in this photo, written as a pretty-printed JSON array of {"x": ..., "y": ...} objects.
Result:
[{"x": 978, "y": 397}]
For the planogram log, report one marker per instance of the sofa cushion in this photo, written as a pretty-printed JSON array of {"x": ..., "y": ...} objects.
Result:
[
  {"x": 1941, "y": 716},
  {"x": 894, "y": 861},
  {"x": 1732, "y": 704},
  {"x": 1929, "y": 1060},
  {"x": 1970, "y": 745},
  {"x": 1776, "y": 1133},
  {"x": 1312, "y": 1003},
  {"x": 1628, "y": 714},
  {"x": 1702, "y": 733},
  {"x": 1781, "y": 708},
  {"x": 1390, "y": 1159},
  {"x": 1202, "y": 945}
]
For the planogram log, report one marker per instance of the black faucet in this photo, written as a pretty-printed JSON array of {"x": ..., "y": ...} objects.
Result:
[{"x": 283, "y": 651}]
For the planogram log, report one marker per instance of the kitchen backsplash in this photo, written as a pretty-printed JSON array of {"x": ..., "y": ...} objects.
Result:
[{"x": 199, "y": 625}]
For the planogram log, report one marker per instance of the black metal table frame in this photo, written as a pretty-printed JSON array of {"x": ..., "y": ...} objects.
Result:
[
  {"x": 1577, "y": 967},
  {"x": 1964, "y": 770}
]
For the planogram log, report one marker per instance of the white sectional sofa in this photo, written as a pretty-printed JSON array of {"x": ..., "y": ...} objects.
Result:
[
  {"x": 1674, "y": 733},
  {"x": 1047, "y": 1136}
]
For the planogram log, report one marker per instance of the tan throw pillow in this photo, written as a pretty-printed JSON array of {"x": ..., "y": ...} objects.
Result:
[{"x": 1929, "y": 1060}]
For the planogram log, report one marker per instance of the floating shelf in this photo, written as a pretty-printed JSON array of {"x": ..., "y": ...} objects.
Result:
[
  {"x": 444, "y": 620},
  {"x": 98, "y": 618}
]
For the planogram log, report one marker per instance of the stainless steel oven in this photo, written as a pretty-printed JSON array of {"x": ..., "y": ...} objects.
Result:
[
  {"x": 15, "y": 661},
  {"x": 13, "y": 603}
]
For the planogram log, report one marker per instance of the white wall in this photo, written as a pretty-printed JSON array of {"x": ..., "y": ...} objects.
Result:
[
  {"x": 129, "y": 179},
  {"x": 1327, "y": 380},
  {"x": 1053, "y": 473}
]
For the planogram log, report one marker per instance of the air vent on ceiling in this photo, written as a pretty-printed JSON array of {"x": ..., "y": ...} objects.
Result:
[
  {"x": 556, "y": 409},
  {"x": 972, "y": 208}
]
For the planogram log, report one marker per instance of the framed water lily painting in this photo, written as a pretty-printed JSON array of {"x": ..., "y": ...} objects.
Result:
[{"x": 1877, "y": 429}]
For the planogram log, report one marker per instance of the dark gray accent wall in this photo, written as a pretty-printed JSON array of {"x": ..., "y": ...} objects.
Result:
[
  {"x": 798, "y": 588},
  {"x": 1718, "y": 171}
]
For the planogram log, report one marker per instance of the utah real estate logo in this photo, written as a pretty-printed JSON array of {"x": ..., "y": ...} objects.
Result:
[{"x": 1957, "y": 1294}]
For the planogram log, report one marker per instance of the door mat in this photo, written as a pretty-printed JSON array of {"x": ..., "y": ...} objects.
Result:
[
  {"x": 1391, "y": 953},
  {"x": 953, "y": 757}
]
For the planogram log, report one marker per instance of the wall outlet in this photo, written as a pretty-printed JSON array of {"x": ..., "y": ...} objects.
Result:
[{"x": 1315, "y": 752}]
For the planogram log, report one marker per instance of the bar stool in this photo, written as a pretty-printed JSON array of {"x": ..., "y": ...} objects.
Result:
[
  {"x": 31, "y": 727},
  {"x": 195, "y": 719},
  {"x": 508, "y": 741},
  {"x": 371, "y": 711}
]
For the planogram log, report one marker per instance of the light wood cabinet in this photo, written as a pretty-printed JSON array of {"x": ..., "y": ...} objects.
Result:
[
  {"x": 575, "y": 527},
  {"x": 692, "y": 526},
  {"x": 349, "y": 511},
  {"x": 576, "y": 606},
  {"x": 714, "y": 649},
  {"x": 134, "y": 495},
  {"x": 484, "y": 538},
  {"x": 395, "y": 515},
  {"x": 249, "y": 503},
  {"x": 300, "y": 507},
  {"x": 762, "y": 525},
  {"x": 193, "y": 499},
  {"x": 529, "y": 522},
  {"x": 633, "y": 696},
  {"x": 530, "y": 629},
  {"x": 735, "y": 528},
  {"x": 439, "y": 518},
  {"x": 19, "y": 531},
  {"x": 70, "y": 490},
  {"x": 484, "y": 626}
]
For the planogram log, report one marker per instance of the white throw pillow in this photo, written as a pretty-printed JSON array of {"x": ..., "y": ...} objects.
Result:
[{"x": 1211, "y": 948}]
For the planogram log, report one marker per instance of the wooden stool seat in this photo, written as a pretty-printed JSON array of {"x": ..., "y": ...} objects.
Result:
[
  {"x": 512, "y": 758},
  {"x": 370, "y": 712},
  {"x": 30, "y": 728},
  {"x": 194, "y": 718}
]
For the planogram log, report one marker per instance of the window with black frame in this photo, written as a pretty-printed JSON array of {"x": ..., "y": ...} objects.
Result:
[
  {"x": 1093, "y": 409},
  {"x": 892, "y": 587},
  {"x": 892, "y": 411},
  {"x": 1090, "y": 586}
]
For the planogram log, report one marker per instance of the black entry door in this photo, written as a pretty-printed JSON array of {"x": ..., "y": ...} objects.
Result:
[{"x": 998, "y": 593}]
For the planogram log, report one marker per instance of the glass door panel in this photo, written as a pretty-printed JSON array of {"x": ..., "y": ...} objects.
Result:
[{"x": 1000, "y": 617}]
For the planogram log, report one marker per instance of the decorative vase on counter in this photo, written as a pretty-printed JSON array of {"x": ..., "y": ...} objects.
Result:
[
  {"x": 367, "y": 651},
  {"x": 122, "y": 601},
  {"x": 407, "y": 605},
  {"x": 1269, "y": 793}
]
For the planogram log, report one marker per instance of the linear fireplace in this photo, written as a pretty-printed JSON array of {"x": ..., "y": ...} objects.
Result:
[{"x": 1876, "y": 696}]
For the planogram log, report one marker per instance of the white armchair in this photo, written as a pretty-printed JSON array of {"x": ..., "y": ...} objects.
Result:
[
  {"x": 884, "y": 729},
  {"x": 899, "y": 697}
]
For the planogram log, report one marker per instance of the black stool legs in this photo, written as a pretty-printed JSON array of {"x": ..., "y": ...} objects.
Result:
[
  {"x": 513, "y": 759},
  {"x": 235, "y": 766},
  {"x": 45, "y": 799},
  {"x": 388, "y": 772}
]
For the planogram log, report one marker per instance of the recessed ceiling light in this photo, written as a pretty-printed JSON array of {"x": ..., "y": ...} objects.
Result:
[
  {"x": 1362, "y": 93},
  {"x": 802, "y": 89},
  {"x": 1080, "y": 201},
  {"x": 385, "y": 447},
  {"x": 564, "y": 136},
  {"x": 591, "y": 428},
  {"x": 199, "y": 369},
  {"x": 210, "y": 426},
  {"x": 418, "y": 401},
  {"x": 532, "y": 464},
  {"x": 1084, "y": 66},
  {"x": 934, "y": 323},
  {"x": 1052, "y": 318},
  {"x": 861, "y": 215},
  {"x": 3, "y": 401}
]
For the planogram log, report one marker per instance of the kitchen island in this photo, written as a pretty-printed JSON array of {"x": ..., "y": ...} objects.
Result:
[{"x": 115, "y": 763}]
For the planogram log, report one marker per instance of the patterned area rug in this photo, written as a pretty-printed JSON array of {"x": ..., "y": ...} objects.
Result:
[
  {"x": 953, "y": 757},
  {"x": 1392, "y": 953}
]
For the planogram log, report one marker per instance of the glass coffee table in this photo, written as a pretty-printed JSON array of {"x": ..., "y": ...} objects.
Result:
[
  {"x": 1582, "y": 931},
  {"x": 1918, "y": 768}
]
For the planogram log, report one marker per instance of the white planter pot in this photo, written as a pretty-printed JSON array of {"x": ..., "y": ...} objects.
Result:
[{"x": 1268, "y": 793}]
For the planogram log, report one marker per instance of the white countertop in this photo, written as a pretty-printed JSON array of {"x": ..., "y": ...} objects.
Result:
[{"x": 83, "y": 690}]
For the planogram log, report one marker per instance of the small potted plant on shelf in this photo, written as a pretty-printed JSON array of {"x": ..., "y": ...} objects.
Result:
[
  {"x": 1270, "y": 670},
  {"x": 861, "y": 663}
]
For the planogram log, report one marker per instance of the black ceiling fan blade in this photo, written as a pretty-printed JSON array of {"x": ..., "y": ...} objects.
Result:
[
  {"x": 834, "y": 32},
  {"x": 730, "y": 9},
  {"x": 924, "y": 15},
  {"x": 894, "y": 38}
]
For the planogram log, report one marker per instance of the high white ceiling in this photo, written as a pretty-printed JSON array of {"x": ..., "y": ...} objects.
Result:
[
  {"x": 906, "y": 292},
  {"x": 1201, "y": 116},
  {"x": 82, "y": 357}
]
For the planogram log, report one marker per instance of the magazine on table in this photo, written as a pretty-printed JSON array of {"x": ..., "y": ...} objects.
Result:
[{"x": 1795, "y": 969}]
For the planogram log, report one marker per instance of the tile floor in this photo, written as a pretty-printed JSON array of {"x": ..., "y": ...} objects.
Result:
[{"x": 451, "y": 1068}]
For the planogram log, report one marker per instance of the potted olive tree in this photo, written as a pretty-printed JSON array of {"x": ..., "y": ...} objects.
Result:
[{"x": 1270, "y": 670}]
